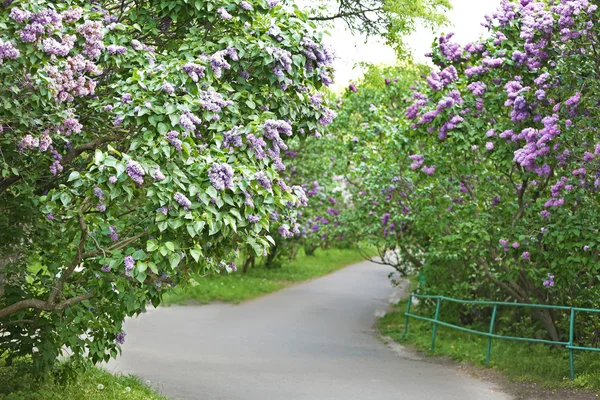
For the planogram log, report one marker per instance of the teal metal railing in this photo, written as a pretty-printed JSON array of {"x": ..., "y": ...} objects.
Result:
[{"x": 570, "y": 346}]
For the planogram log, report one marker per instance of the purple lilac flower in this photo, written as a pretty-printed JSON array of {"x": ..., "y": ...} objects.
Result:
[
  {"x": 489, "y": 146},
  {"x": 113, "y": 233},
  {"x": 516, "y": 245},
  {"x": 129, "y": 264},
  {"x": 263, "y": 180},
  {"x": 223, "y": 13},
  {"x": 352, "y": 87},
  {"x": 168, "y": 88},
  {"x": 98, "y": 193},
  {"x": 272, "y": 3},
  {"x": 429, "y": 170},
  {"x": 213, "y": 101},
  {"x": 548, "y": 283},
  {"x": 182, "y": 200},
  {"x": 525, "y": 255},
  {"x": 172, "y": 138},
  {"x": 189, "y": 121},
  {"x": 221, "y": 176},
  {"x": 285, "y": 232},
  {"x": 120, "y": 337},
  {"x": 253, "y": 218},
  {"x": 246, "y": 6},
  {"x": 327, "y": 117},
  {"x": 418, "y": 161},
  {"x": 384, "y": 219},
  {"x": 105, "y": 268},
  {"x": 19, "y": 15},
  {"x": 158, "y": 175},
  {"x": 194, "y": 71},
  {"x": 586, "y": 248},
  {"x": 135, "y": 172},
  {"x": 112, "y": 179},
  {"x": 114, "y": 49},
  {"x": 50, "y": 216}
]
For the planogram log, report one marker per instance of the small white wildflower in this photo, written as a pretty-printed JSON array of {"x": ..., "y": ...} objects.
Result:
[
  {"x": 128, "y": 389},
  {"x": 100, "y": 386}
]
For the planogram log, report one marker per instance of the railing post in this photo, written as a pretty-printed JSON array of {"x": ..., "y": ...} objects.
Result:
[
  {"x": 407, "y": 317},
  {"x": 489, "y": 344},
  {"x": 437, "y": 314},
  {"x": 571, "y": 340}
]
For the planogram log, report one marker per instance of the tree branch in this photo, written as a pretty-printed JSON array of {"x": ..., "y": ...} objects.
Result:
[
  {"x": 345, "y": 14},
  {"x": 44, "y": 305},
  {"x": 94, "y": 144}
]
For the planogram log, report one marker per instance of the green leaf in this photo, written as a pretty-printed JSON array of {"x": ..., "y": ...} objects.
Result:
[
  {"x": 170, "y": 246},
  {"x": 65, "y": 198},
  {"x": 139, "y": 255},
  {"x": 196, "y": 254},
  {"x": 174, "y": 260},
  {"x": 73, "y": 175},
  {"x": 212, "y": 192},
  {"x": 191, "y": 230}
]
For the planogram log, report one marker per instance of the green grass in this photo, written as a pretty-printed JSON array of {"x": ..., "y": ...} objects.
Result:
[
  {"x": 238, "y": 287},
  {"x": 518, "y": 361},
  {"x": 92, "y": 384}
]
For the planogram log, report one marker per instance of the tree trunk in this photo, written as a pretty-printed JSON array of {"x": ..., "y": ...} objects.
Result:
[
  {"x": 544, "y": 317},
  {"x": 249, "y": 260}
]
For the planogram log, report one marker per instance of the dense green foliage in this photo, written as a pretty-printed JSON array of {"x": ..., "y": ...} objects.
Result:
[
  {"x": 87, "y": 384},
  {"x": 141, "y": 145},
  {"x": 485, "y": 179}
]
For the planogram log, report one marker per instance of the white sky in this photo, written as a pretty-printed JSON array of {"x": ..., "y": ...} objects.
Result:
[{"x": 465, "y": 19}]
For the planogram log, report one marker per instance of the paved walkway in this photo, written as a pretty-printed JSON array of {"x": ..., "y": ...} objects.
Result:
[{"x": 313, "y": 341}]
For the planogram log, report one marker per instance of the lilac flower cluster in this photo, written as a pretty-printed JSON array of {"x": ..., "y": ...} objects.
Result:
[
  {"x": 93, "y": 33},
  {"x": 129, "y": 264},
  {"x": 194, "y": 71},
  {"x": 120, "y": 337},
  {"x": 69, "y": 126},
  {"x": 221, "y": 176},
  {"x": 327, "y": 117},
  {"x": 246, "y": 6},
  {"x": 113, "y": 233},
  {"x": 263, "y": 180},
  {"x": 59, "y": 48},
  {"x": 450, "y": 50},
  {"x": 168, "y": 88},
  {"x": 8, "y": 50},
  {"x": 116, "y": 49},
  {"x": 189, "y": 121},
  {"x": 224, "y": 14},
  {"x": 182, "y": 200},
  {"x": 213, "y": 101},
  {"x": 218, "y": 62},
  {"x": 549, "y": 282},
  {"x": 418, "y": 161},
  {"x": 135, "y": 172},
  {"x": 173, "y": 138},
  {"x": 69, "y": 81},
  {"x": 232, "y": 138}
]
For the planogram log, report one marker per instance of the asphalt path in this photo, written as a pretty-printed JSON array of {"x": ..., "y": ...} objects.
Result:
[{"x": 313, "y": 341}]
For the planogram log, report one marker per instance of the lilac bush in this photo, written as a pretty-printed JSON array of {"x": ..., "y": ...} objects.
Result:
[{"x": 139, "y": 148}]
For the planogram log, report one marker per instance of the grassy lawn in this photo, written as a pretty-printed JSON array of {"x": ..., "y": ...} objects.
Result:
[
  {"x": 518, "y": 361},
  {"x": 93, "y": 384},
  {"x": 238, "y": 287}
]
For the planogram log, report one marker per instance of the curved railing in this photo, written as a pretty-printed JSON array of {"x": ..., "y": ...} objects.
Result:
[{"x": 490, "y": 334}]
